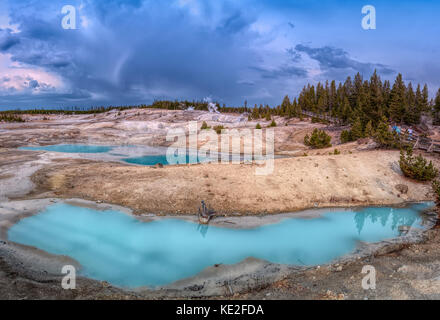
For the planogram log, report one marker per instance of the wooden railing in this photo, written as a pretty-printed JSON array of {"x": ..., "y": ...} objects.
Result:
[
  {"x": 422, "y": 143},
  {"x": 418, "y": 141},
  {"x": 324, "y": 117}
]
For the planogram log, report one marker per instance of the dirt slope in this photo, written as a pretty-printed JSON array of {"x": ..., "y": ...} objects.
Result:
[{"x": 363, "y": 178}]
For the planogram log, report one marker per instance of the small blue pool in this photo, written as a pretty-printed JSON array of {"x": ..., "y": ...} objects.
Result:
[
  {"x": 71, "y": 148},
  {"x": 148, "y": 156},
  {"x": 126, "y": 252},
  {"x": 162, "y": 158}
]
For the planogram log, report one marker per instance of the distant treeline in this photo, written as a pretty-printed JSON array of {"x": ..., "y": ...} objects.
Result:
[
  {"x": 364, "y": 104},
  {"x": 358, "y": 102},
  {"x": 361, "y": 101},
  {"x": 7, "y": 117},
  {"x": 68, "y": 111}
]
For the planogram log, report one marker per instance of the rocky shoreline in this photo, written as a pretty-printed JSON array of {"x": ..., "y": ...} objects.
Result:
[{"x": 37, "y": 266}]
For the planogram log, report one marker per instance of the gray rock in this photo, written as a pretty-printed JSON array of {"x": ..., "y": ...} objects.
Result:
[
  {"x": 402, "y": 188},
  {"x": 404, "y": 228}
]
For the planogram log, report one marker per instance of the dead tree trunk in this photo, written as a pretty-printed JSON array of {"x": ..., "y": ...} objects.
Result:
[{"x": 204, "y": 214}]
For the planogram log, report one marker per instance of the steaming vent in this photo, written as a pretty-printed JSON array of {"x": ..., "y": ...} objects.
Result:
[{"x": 212, "y": 108}]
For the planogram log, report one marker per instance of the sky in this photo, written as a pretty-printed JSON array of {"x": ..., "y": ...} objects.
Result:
[{"x": 135, "y": 51}]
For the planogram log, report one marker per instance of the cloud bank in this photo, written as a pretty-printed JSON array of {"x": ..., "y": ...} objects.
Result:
[{"x": 132, "y": 52}]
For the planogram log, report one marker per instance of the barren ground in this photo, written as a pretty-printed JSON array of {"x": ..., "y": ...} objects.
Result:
[
  {"x": 357, "y": 176},
  {"x": 367, "y": 178}
]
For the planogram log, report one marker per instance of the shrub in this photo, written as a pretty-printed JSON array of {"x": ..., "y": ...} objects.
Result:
[
  {"x": 369, "y": 131},
  {"x": 10, "y": 118},
  {"x": 204, "y": 126},
  {"x": 319, "y": 139},
  {"x": 336, "y": 152},
  {"x": 258, "y": 126},
  {"x": 386, "y": 138},
  {"x": 218, "y": 129},
  {"x": 436, "y": 190},
  {"x": 354, "y": 133},
  {"x": 273, "y": 124},
  {"x": 319, "y": 120},
  {"x": 416, "y": 168},
  {"x": 345, "y": 136}
]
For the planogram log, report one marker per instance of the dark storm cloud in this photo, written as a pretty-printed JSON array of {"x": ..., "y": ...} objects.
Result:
[
  {"x": 135, "y": 51},
  {"x": 138, "y": 50},
  {"x": 235, "y": 23},
  {"x": 281, "y": 72},
  {"x": 7, "y": 39},
  {"x": 333, "y": 59},
  {"x": 33, "y": 84},
  {"x": 294, "y": 55}
]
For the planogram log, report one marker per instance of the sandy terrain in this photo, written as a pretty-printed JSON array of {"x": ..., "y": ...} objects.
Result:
[{"x": 296, "y": 183}]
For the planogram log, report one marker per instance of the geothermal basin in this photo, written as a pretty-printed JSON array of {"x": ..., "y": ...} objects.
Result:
[{"x": 120, "y": 248}]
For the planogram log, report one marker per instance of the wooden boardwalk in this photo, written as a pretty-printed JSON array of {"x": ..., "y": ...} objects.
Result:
[
  {"x": 324, "y": 117},
  {"x": 418, "y": 141},
  {"x": 422, "y": 143}
]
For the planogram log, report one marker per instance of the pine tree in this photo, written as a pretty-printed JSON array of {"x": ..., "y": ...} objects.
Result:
[
  {"x": 297, "y": 109},
  {"x": 425, "y": 99},
  {"x": 384, "y": 137},
  {"x": 346, "y": 111},
  {"x": 412, "y": 114},
  {"x": 398, "y": 100},
  {"x": 437, "y": 101},
  {"x": 369, "y": 131},
  {"x": 376, "y": 97},
  {"x": 332, "y": 97},
  {"x": 318, "y": 139},
  {"x": 357, "y": 90},
  {"x": 369, "y": 100},
  {"x": 419, "y": 100},
  {"x": 268, "y": 117},
  {"x": 436, "y": 108},
  {"x": 356, "y": 131},
  {"x": 285, "y": 105},
  {"x": 255, "y": 113},
  {"x": 386, "y": 93}
]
